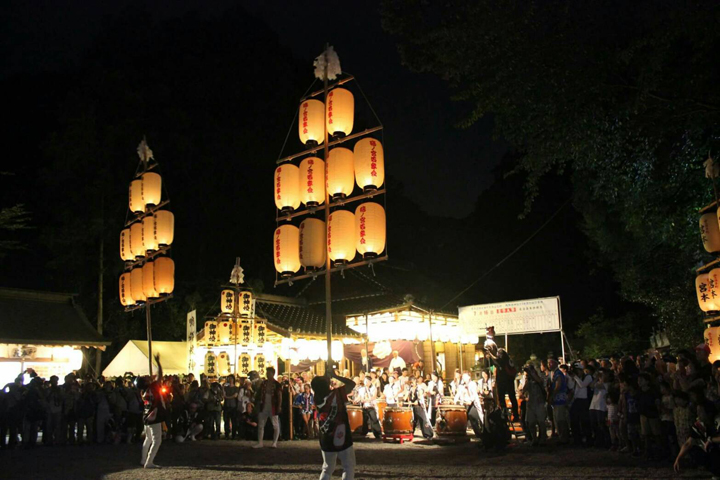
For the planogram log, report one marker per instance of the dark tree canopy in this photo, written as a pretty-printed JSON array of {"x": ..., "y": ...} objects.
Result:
[{"x": 623, "y": 95}]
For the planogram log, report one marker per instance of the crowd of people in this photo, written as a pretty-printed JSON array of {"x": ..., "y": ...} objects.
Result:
[{"x": 657, "y": 406}]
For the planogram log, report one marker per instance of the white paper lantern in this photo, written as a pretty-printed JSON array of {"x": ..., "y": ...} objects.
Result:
[
  {"x": 151, "y": 188},
  {"x": 148, "y": 234},
  {"x": 223, "y": 364},
  {"x": 226, "y": 332},
  {"x": 341, "y": 236},
  {"x": 340, "y": 112},
  {"x": 710, "y": 232},
  {"x": 211, "y": 333},
  {"x": 311, "y": 122},
  {"x": 287, "y": 186},
  {"x": 227, "y": 301},
  {"x": 126, "y": 252},
  {"x": 245, "y": 364},
  {"x": 311, "y": 182},
  {"x": 136, "y": 285},
  {"x": 704, "y": 294},
  {"x": 164, "y": 275},
  {"x": 341, "y": 172},
  {"x": 125, "y": 287},
  {"x": 136, "y": 240},
  {"x": 287, "y": 249},
  {"x": 312, "y": 243},
  {"x": 245, "y": 307},
  {"x": 136, "y": 204},
  {"x": 370, "y": 229},
  {"x": 164, "y": 223},
  {"x": 369, "y": 160},
  {"x": 211, "y": 365},
  {"x": 148, "y": 281}
]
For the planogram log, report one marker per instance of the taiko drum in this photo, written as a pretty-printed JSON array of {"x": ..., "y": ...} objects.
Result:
[
  {"x": 398, "y": 421},
  {"x": 355, "y": 416},
  {"x": 452, "y": 420}
]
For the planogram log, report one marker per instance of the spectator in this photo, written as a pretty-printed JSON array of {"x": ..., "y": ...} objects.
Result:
[
  {"x": 230, "y": 407},
  {"x": 534, "y": 393},
  {"x": 599, "y": 412},
  {"x": 557, "y": 396}
]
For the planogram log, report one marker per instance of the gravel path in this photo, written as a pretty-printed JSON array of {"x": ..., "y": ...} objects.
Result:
[{"x": 301, "y": 460}]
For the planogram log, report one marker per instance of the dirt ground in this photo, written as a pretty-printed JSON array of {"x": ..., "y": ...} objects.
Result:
[{"x": 302, "y": 460}]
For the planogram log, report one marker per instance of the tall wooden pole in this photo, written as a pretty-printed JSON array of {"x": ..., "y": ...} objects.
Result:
[
  {"x": 148, "y": 319},
  {"x": 328, "y": 296}
]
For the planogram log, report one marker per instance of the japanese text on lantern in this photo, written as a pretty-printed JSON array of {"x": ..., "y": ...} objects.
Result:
[
  {"x": 703, "y": 291},
  {"x": 277, "y": 246},
  {"x": 246, "y": 305},
  {"x": 310, "y": 176},
  {"x": 305, "y": 117},
  {"x": 330, "y": 108},
  {"x": 302, "y": 237},
  {"x": 229, "y": 301},
  {"x": 373, "y": 160},
  {"x": 362, "y": 224},
  {"x": 277, "y": 183},
  {"x": 329, "y": 234}
]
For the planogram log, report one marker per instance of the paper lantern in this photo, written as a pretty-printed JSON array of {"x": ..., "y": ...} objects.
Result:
[
  {"x": 260, "y": 362},
  {"x": 340, "y": 112},
  {"x": 210, "y": 364},
  {"x": 311, "y": 122},
  {"x": 223, "y": 364},
  {"x": 151, "y": 188},
  {"x": 136, "y": 240},
  {"x": 287, "y": 250},
  {"x": 341, "y": 173},
  {"x": 712, "y": 340},
  {"x": 370, "y": 229},
  {"x": 126, "y": 298},
  {"x": 245, "y": 364},
  {"x": 136, "y": 200},
  {"x": 245, "y": 307},
  {"x": 287, "y": 187},
  {"x": 704, "y": 293},
  {"x": 369, "y": 160},
  {"x": 148, "y": 281},
  {"x": 312, "y": 243},
  {"x": 227, "y": 301},
  {"x": 211, "y": 333},
  {"x": 125, "y": 250},
  {"x": 245, "y": 332},
  {"x": 226, "y": 332},
  {"x": 714, "y": 287},
  {"x": 341, "y": 236},
  {"x": 148, "y": 234},
  {"x": 136, "y": 285},
  {"x": 311, "y": 183},
  {"x": 164, "y": 275},
  {"x": 260, "y": 330},
  {"x": 710, "y": 232},
  {"x": 164, "y": 228}
]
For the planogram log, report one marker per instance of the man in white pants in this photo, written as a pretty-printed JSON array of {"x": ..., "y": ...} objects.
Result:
[
  {"x": 153, "y": 418},
  {"x": 335, "y": 436},
  {"x": 270, "y": 405}
]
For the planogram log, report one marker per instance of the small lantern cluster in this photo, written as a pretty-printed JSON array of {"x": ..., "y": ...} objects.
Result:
[{"x": 707, "y": 285}]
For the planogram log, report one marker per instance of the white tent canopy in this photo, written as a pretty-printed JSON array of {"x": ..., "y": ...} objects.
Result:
[{"x": 134, "y": 358}]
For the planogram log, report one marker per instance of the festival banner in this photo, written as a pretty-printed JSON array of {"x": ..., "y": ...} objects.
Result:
[
  {"x": 523, "y": 316},
  {"x": 191, "y": 341}
]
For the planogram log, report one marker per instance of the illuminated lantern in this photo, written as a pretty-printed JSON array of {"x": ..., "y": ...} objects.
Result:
[
  {"x": 370, "y": 229},
  {"x": 287, "y": 250},
  {"x": 311, "y": 183},
  {"x": 341, "y": 173},
  {"x": 210, "y": 364},
  {"x": 260, "y": 333},
  {"x": 341, "y": 236},
  {"x": 136, "y": 201},
  {"x": 714, "y": 287},
  {"x": 151, "y": 188},
  {"x": 126, "y": 298},
  {"x": 340, "y": 112},
  {"x": 312, "y": 243},
  {"x": 710, "y": 232},
  {"x": 311, "y": 122},
  {"x": 369, "y": 164},
  {"x": 287, "y": 194},
  {"x": 125, "y": 250},
  {"x": 164, "y": 275},
  {"x": 260, "y": 362},
  {"x": 148, "y": 281},
  {"x": 704, "y": 294},
  {"x": 136, "y": 236},
  {"x": 245, "y": 332},
  {"x": 211, "y": 333},
  {"x": 136, "y": 285},
  {"x": 164, "y": 228},
  {"x": 225, "y": 331},
  {"x": 148, "y": 234},
  {"x": 244, "y": 364},
  {"x": 223, "y": 364},
  {"x": 245, "y": 306},
  {"x": 227, "y": 301}
]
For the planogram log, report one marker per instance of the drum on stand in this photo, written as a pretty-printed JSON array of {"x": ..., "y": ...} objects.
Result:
[
  {"x": 381, "y": 405},
  {"x": 355, "y": 417},
  {"x": 451, "y": 421},
  {"x": 398, "y": 421}
]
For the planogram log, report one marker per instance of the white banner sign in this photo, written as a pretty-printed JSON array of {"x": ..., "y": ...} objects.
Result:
[
  {"x": 191, "y": 341},
  {"x": 524, "y": 316}
]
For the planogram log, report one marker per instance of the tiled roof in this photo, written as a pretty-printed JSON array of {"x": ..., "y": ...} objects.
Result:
[
  {"x": 296, "y": 317},
  {"x": 44, "y": 318}
]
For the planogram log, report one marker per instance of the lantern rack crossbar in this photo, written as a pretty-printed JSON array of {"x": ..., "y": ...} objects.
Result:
[
  {"x": 338, "y": 268},
  {"x": 153, "y": 301},
  {"x": 708, "y": 208},
  {"x": 337, "y": 141},
  {"x": 148, "y": 256},
  {"x": 336, "y": 203},
  {"x": 708, "y": 266},
  {"x": 330, "y": 87},
  {"x": 148, "y": 211},
  {"x": 712, "y": 318},
  {"x": 146, "y": 169}
]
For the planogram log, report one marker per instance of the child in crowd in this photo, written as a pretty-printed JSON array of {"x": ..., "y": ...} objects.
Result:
[{"x": 613, "y": 420}]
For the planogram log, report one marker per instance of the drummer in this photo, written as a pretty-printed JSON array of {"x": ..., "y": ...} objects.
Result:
[
  {"x": 456, "y": 384},
  {"x": 366, "y": 397},
  {"x": 390, "y": 392},
  {"x": 416, "y": 398},
  {"x": 469, "y": 398},
  {"x": 434, "y": 392}
]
